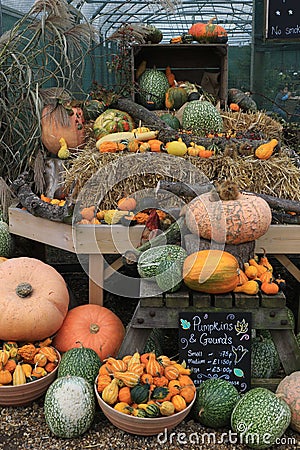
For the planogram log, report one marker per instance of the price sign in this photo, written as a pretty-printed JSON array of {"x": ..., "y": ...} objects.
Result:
[
  {"x": 217, "y": 345},
  {"x": 283, "y": 19}
]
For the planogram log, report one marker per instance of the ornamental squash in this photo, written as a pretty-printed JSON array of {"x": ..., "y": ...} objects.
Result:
[
  {"x": 39, "y": 295},
  {"x": 95, "y": 326},
  {"x": 265, "y": 361},
  {"x": 215, "y": 400},
  {"x": 211, "y": 271},
  {"x": 208, "y": 32},
  {"x": 112, "y": 121},
  {"x": 62, "y": 122},
  {"x": 69, "y": 406},
  {"x": 176, "y": 96},
  {"x": 82, "y": 362},
  {"x": 242, "y": 218},
  {"x": 265, "y": 151},
  {"x": 260, "y": 418},
  {"x": 289, "y": 391}
]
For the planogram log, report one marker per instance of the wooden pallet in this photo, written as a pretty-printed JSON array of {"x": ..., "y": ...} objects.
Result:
[{"x": 156, "y": 310}]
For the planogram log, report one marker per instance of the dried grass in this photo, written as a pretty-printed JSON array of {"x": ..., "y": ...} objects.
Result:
[{"x": 259, "y": 121}]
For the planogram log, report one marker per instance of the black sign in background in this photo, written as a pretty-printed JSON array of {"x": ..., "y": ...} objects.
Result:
[
  {"x": 217, "y": 345},
  {"x": 283, "y": 19}
]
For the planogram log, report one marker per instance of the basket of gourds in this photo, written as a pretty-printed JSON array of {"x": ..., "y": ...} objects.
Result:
[
  {"x": 144, "y": 394},
  {"x": 26, "y": 371}
]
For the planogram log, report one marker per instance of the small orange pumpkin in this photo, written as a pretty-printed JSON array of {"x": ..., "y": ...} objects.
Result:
[{"x": 127, "y": 204}]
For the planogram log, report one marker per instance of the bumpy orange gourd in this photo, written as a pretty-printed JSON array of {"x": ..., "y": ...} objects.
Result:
[
  {"x": 59, "y": 122},
  {"x": 211, "y": 271},
  {"x": 39, "y": 295},
  {"x": 288, "y": 390},
  {"x": 208, "y": 32},
  {"x": 243, "y": 219}
]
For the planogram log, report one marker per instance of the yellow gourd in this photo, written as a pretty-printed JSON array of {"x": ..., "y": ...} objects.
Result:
[
  {"x": 251, "y": 287},
  {"x": 265, "y": 151},
  {"x": 177, "y": 148},
  {"x": 110, "y": 392},
  {"x": 18, "y": 376},
  {"x": 250, "y": 271},
  {"x": 167, "y": 408},
  {"x": 123, "y": 407}
]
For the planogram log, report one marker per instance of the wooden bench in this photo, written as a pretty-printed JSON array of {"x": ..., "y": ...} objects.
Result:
[{"x": 156, "y": 310}]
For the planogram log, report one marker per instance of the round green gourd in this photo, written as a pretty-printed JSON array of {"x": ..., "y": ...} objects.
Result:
[
  {"x": 265, "y": 361},
  {"x": 201, "y": 117},
  {"x": 93, "y": 108},
  {"x": 152, "y": 410},
  {"x": 153, "y": 86},
  {"x": 149, "y": 263},
  {"x": 171, "y": 120},
  {"x": 215, "y": 400},
  {"x": 260, "y": 418},
  {"x": 140, "y": 393},
  {"x": 80, "y": 361},
  {"x": 69, "y": 406},
  {"x": 5, "y": 240}
]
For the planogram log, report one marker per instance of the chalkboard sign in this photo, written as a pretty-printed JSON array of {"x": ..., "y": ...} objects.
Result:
[
  {"x": 283, "y": 19},
  {"x": 217, "y": 345}
]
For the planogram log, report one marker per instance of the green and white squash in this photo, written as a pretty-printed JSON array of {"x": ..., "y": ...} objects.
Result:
[
  {"x": 260, "y": 418},
  {"x": 265, "y": 361},
  {"x": 5, "y": 240},
  {"x": 80, "y": 361},
  {"x": 215, "y": 400},
  {"x": 154, "y": 342},
  {"x": 169, "y": 277},
  {"x": 153, "y": 85},
  {"x": 69, "y": 406},
  {"x": 159, "y": 259},
  {"x": 201, "y": 118}
]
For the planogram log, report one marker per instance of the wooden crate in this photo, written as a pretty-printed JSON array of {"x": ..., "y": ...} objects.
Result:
[{"x": 189, "y": 62}]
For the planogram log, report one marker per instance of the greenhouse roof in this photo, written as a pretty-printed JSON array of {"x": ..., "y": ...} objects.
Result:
[{"x": 172, "y": 17}]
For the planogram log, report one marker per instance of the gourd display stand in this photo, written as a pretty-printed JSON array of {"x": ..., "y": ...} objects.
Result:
[
  {"x": 156, "y": 310},
  {"x": 203, "y": 64}
]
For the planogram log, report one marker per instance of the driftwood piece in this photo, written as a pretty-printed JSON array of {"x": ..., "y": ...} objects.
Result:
[
  {"x": 192, "y": 190},
  {"x": 242, "y": 252},
  {"x": 165, "y": 133},
  {"x": 37, "y": 207}
]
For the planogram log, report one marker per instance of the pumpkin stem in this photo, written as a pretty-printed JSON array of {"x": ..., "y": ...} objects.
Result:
[
  {"x": 78, "y": 342},
  {"x": 94, "y": 328},
  {"x": 24, "y": 290}
]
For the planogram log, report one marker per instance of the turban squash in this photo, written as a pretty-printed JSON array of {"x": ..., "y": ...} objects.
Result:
[
  {"x": 34, "y": 300},
  {"x": 62, "y": 122},
  {"x": 233, "y": 221},
  {"x": 93, "y": 326}
]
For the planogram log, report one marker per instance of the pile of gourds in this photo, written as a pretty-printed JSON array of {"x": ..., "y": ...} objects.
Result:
[
  {"x": 258, "y": 276},
  {"x": 145, "y": 385},
  {"x": 20, "y": 364}
]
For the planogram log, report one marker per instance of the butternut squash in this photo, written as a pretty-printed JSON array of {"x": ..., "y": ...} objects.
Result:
[{"x": 265, "y": 151}]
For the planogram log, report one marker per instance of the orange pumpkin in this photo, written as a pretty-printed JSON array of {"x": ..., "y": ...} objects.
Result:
[
  {"x": 95, "y": 327},
  {"x": 57, "y": 122},
  {"x": 243, "y": 219},
  {"x": 211, "y": 271},
  {"x": 34, "y": 300}
]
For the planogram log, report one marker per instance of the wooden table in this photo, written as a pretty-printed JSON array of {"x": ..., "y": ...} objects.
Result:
[{"x": 98, "y": 240}]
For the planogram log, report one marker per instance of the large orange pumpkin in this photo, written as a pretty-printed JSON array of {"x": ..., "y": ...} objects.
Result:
[
  {"x": 60, "y": 122},
  {"x": 95, "y": 327},
  {"x": 34, "y": 300},
  {"x": 289, "y": 390},
  {"x": 211, "y": 271},
  {"x": 228, "y": 221}
]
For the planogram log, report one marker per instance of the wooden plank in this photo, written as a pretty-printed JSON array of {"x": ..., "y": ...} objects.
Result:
[
  {"x": 96, "y": 280},
  {"x": 152, "y": 301},
  {"x": 135, "y": 340},
  {"x": 112, "y": 268},
  {"x": 280, "y": 239},
  {"x": 288, "y": 349},
  {"x": 268, "y": 383},
  {"x": 287, "y": 263},
  {"x": 108, "y": 239},
  {"x": 244, "y": 301},
  {"x": 177, "y": 299},
  {"x": 56, "y": 234},
  {"x": 151, "y": 317},
  {"x": 223, "y": 301},
  {"x": 273, "y": 301},
  {"x": 201, "y": 300}
]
